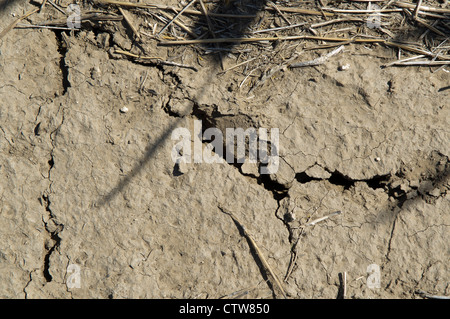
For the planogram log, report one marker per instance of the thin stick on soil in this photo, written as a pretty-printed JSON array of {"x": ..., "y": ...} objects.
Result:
[
  {"x": 423, "y": 63},
  {"x": 416, "y": 10},
  {"x": 54, "y": 5},
  {"x": 258, "y": 252},
  {"x": 128, "y": 20},
  {"x": 273, "y": 5},
  {"x": 281, "y": 28},
  {"x": 319, "y": 60},
  {"x": 318, "y": 220},
  {"x": 157, "y": 60},
  {"x": 347, "y": 11},
  {"x": 422, "y": 8},
  {"x": 32, "y": 26},
  {"x": 208, "y": 20},
  {"x": 180, "y": 24},
  {"x": 246, "y": 77},
  {"x": 238, "y": 65},
  {"x": 288, "y": 38},
  {"x": 137, "y": 56},
  {"x": 415, "y": 50},
  {"x": 322, "y": 24},
  {"x": 425, "y": 294},
  {"x": 298, "y": 10},
  {"x": 12, "y": 25},
  {"x": 179, "y": 14},
  {"x": 42, "y": 6},
  {"x": 430, "y": 27},
  {"x": 326, "y": 46},
  {"x": 404, "y": 60},
  {"x": 83, "y": 18}
]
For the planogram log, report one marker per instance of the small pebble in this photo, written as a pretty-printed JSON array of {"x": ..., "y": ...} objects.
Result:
[
  {"x": 124, "y": 109},
  {"x": 377, "y": 159},
  {"x": 344, "y": 67}
]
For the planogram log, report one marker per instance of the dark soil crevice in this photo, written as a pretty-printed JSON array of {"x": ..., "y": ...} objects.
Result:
[
  {"x": 339, "y": 179},
  {"x": 209, "y": 121},
  {"x": 62, "y": 49},
  {"x": 53, "y": 228},
  {"x": 27, "y": 284}
]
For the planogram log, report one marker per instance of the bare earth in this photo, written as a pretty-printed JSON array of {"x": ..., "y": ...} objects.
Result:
[{"x": 84, "y": 184}]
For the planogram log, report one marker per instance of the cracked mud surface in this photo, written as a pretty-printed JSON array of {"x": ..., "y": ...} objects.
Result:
[{"x": 83, "y": 183}]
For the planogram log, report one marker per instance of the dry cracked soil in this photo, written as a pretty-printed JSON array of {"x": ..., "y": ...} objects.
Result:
[{"x": 93, "y": 206}]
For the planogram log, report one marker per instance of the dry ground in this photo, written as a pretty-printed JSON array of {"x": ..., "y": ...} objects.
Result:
[{"x": 82, "y": 183}]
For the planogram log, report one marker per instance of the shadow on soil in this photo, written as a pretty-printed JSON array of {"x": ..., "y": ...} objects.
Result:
[
  {"x": 6, "y": 4},
  {"x": 229, "y": 27}
]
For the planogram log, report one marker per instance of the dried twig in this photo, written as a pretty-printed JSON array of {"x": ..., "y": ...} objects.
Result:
[
  {"x": 348, "y": 11},
  {"x": 288, "y": 38},
  {"x": 430, "y": 27},
  {"x": 86, "y": 17},
  {"x": 404, "y": 60},
  {"x": 415, "y": 50},
  {"x": 318, "y": 220},
  {"x": 298, "y": 10},
  {"x": 273, "y": 5},
  {"x": 180, "y": 24},
  {"x": 42, "y": 6},
  {"x": 430, "y": 296},
  {"x": 322, "y": 24},
  {"x": 423, "y": 63},
  {"x": 417, "y": 8},
  {"x": 319, "y": 60},
  {"x": 130, "y": 23},
  {"x": 280, "y": 28},
  {"x": 12, "y": 25},
  {"x": 157, "y": 60},
  {"x": 238, "y": 65},
  {"x": 54, "y": 5},
  {"x": 422, "y": 8},
  {"x": 258, "y": 252},
  {"x": 179, "y": 14},
  {"x": 33, "y": 26}
]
